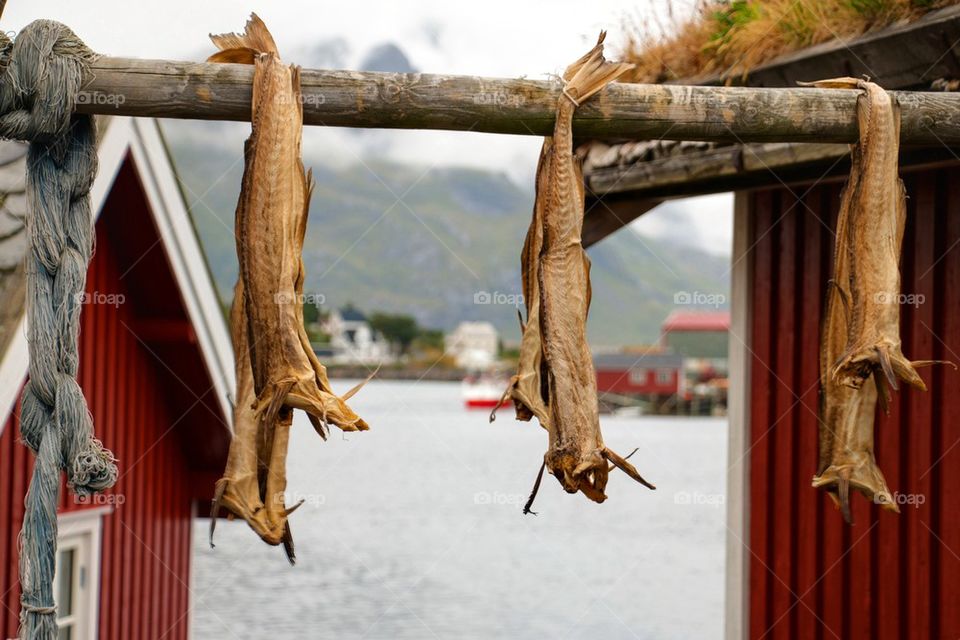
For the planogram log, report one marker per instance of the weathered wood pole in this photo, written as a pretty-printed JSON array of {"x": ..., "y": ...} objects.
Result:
[{"x": 162, "y": 88}]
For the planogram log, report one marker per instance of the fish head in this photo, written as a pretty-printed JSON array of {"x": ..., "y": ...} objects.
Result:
[{"x": 578, "y": 471}]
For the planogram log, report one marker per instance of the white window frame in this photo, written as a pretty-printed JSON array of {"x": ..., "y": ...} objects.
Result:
[
  {"x": 82, "y": 531},
  {"x": 664, "y": 376},
  {"x": 640, "y": 375}
]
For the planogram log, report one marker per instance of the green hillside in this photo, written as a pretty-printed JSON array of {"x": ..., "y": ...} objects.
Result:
[{"x": 425, "y": 242}]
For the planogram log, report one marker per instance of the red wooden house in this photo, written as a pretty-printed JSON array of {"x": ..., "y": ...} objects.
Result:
[
  {"x": 156, "y": 366},
  {"x": 656, "y": 374},
  {"x": 794, "y": 568}
]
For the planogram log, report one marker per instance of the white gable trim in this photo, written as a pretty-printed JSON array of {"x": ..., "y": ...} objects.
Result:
[
  {"x": 185, "y": 255},
  {"x": 142, "y": 138}
]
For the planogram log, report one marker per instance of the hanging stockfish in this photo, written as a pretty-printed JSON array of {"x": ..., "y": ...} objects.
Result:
[
  {"x": 556, "y": 380},
  {"x": 277, "y": 370},
  {"x": 861, "y": 324}
]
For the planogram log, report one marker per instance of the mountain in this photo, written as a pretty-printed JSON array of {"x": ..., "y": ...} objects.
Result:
[{"x": 437, "y": 243}]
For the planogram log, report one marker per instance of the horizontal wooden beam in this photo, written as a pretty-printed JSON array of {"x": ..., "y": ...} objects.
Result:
[{"x": 161, "y": 88}]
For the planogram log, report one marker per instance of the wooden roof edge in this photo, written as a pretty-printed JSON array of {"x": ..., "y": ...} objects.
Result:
[{"x": 735, "y": 167}]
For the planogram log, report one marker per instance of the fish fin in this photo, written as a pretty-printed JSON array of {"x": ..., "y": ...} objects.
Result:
[
  {"x": 845, "y": 82},
  {"x": 319, "y": 425},
  {"x": 289, "y": 510},
  {"x": 626, "y": 467},
  {"x": 591, "y": 73},
  {"x": 352, "y": 392},
  {"x": 906, "y": 371},
  {"x": 269, "y": 412},
  {"x": 843, "y": 296},
  {"x": 626, "y": 457},
  {"x": 287, "y": 541},
  {"x": 218, "y": 491},
  {"x": 236, "y": 55},
  {"x": 886, "y": 364},
  {"x": 843, "y": 495},
  {"x": 256, "y": 38},
  {"x": 882, "y": 397},
  {"x": 523, "y": 326}
]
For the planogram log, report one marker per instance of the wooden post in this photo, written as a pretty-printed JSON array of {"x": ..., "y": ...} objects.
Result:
[{"x": 161, "y": 88}]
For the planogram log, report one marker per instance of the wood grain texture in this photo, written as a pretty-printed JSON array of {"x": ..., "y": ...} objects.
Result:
[{"x": 206, "y": 91}]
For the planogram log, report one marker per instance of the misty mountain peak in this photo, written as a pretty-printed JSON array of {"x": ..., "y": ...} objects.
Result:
[{"x": 387, "y": 57}]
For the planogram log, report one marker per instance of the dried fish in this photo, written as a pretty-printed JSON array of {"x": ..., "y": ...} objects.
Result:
[
  {"x": 877, "y": 214},
  {"x": 846, "y": 414},
  {"x": 277, "y": 369},
  {"x": 556, "y": 380},
  {"x": 861, "y": 326}
]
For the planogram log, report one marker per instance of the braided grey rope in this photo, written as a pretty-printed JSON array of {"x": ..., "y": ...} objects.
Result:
[{"x": 42, "y": 72}]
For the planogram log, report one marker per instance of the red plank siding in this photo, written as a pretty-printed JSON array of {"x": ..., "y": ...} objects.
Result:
[
  {"x": 147, "y": 535},
  {"x": 888, "y": 576}
]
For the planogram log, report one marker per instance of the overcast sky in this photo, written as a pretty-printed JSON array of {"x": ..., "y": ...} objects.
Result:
[{"x": 532, "y": 38}]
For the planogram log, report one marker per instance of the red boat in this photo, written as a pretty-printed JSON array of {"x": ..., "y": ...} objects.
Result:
[{"x": 484, "y": 391}]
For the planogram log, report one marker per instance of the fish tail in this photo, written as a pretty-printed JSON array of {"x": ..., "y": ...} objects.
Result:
[
  {"x": 591, "y": 73},
  {"x": 242, "y": 48},
  {"x": 865, "y": 477}
]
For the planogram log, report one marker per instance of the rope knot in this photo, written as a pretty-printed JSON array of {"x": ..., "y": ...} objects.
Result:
[{"x": 43, "y": 69}]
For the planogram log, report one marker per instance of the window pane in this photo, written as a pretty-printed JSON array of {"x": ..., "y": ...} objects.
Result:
[
  {"x": 65, "y": 560},
  {"x": 65, "y": 633}
]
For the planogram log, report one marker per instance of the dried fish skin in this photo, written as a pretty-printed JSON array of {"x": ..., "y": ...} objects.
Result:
[
  {"x": 877, "y": 215},
  {"x": 527, "y": 388},
  {"x": 277, "y": 370},
  {"x": 576, "y": 455},
  {"x": 270, "y": 225},
  {"x": 847, "y": 413},
  {"x": 243, "y": 491}
]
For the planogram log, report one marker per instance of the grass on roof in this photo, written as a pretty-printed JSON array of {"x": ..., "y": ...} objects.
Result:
[{"x": 731, "y": 37}]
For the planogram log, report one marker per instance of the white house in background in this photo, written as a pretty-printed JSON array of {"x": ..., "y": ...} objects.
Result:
[
  {"x": 474, "y": 345},
  {"x": 353, "y": 339}
]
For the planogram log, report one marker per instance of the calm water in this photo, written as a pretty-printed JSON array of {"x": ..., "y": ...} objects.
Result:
[{"x": 414, "y": 530}]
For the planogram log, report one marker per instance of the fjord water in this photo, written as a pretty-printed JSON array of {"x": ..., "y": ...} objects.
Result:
[{"x": 414, "y": 530}]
